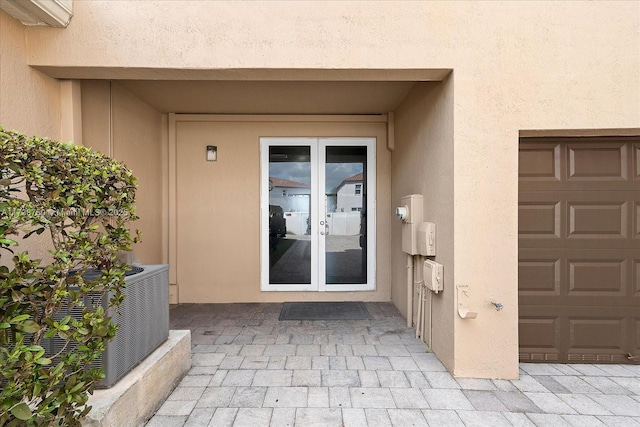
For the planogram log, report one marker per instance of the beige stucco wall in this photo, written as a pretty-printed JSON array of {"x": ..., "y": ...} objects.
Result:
[
  {"x": 30, "y": 103},
  {"x": 96, "y": 115},
  {"x": 217, "y": 246},
  {"x": 516, "y": 65},
  {"x": 29, "y": 100},
  {"x": 120, "y": 125},
  {"x": 528, "y": 66},
  {"x": 35, "y": 104},
  {"x": 422, "y": 163}
]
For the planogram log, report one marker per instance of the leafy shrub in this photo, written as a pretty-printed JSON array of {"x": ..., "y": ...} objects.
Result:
[{"x": 83, "y": 201}]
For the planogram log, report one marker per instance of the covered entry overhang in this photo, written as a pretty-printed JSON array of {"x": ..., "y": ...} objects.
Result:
[
  {"x": 260, "y": 91},
  {"x": 130, "y": 119},
  {"x": 327, "y": 98},
  {"x": 127, "y": 113}
]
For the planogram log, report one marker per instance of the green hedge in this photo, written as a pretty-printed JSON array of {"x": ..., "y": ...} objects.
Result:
[{"x": 80, "y": 202}]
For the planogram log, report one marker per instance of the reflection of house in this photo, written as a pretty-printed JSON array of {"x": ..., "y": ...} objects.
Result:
[
  {"x": 345, "y": 204},
  {"x": 349, "y": 194},
  {"x": 291, "y": 196}
]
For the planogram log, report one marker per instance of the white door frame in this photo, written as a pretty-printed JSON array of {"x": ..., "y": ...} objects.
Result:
[
  {"x": 318, "y": 241},
  {"x": 265, "y": 143}
]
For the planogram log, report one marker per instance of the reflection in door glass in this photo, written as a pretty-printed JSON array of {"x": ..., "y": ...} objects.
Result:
[
  {"x": 289, "y": 208},
  {"x": 346, "y": 216}
]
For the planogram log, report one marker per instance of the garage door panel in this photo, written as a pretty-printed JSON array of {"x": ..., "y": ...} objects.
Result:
[
  {"x": 607, "y": 219},
  {"x": 540, "y": 337},
  {"x": 579, "y": 249},
  {"x": 598, "y": 220},
  {"x": 630, "y": 184},
  {"x": 602, "y": 162},
  {"x": 593, "y": 304},
  {"x": 635, "y": 216},
  {"x": 539, "y": 220},
  {"x": 579, "y": 219},
  {"x": 539, "y": 276},
  {"x": 636, "y": 161},
  {"x": 540, "y": 216},
  {"x": 599, "y": 164},
  {"x": 602, "y": 277},
  {"x": 576, "y": 334},
  {"x": 539, "y": 162},
  {"x": 597, "y": 334},
  {"x": 636, "y": 278},
  {"x": 636, "y": 337}
]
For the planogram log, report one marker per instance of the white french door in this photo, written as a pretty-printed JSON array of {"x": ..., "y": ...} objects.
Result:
[{"x": 317, "y": 214}]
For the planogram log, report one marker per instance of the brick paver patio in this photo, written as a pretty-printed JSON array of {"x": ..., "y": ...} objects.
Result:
[{"x": 249, "y": 369}]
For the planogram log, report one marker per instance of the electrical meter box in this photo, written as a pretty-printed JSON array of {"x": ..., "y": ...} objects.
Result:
[
  {"x": 427, "y": 239},
  {"x": 433, "y": 274},
  {"x": 410, "y": 212}
]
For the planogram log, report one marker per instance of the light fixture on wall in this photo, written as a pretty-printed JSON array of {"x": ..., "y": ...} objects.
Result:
[{"x": 212, "y": 153}]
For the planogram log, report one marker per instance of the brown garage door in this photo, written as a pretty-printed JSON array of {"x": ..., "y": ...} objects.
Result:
[{"x": 579, "y": 249}]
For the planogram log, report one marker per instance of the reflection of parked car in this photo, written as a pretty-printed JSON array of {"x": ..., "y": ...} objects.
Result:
[{"x": 277, "y": 225}]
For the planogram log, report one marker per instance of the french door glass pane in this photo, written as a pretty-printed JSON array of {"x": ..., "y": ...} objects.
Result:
[
  {"x": 345, "y": 214},
  {"x": 289, "y": 214}
]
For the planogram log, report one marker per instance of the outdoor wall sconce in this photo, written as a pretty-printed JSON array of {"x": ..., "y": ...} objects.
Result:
[{"x": 212, "y": 153}]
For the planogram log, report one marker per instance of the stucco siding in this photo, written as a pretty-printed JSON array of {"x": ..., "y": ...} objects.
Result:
[
  {"x": 422, "y": 163},
  {"x": 217, "y": 245},
  {"x": 29, "y": 100},
  {"x": 29, "y": 103},
  {"x": 122, "y": 126}
]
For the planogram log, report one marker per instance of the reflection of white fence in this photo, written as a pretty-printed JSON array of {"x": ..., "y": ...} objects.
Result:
[
  {"x": 296, "y": 222},
  {"x": 338, "y": 223},
  {"x": 344, "y": 223}
]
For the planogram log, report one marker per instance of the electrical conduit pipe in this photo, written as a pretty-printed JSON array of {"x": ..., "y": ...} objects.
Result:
[{"x": 409, "y": 290}]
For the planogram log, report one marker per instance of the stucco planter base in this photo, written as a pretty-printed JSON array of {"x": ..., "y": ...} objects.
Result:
[{"x": 135, "y": 398}]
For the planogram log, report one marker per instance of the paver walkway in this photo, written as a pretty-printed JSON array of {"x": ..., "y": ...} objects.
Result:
[{"x": 249, "y": 369}]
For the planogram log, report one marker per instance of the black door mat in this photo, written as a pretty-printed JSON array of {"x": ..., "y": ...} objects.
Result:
[{"x": 324, "y": 311}]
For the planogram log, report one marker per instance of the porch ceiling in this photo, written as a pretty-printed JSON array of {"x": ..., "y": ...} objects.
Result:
[
  {"x": 270, "y": 97},
  {"x": 261, "y": 90}
]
